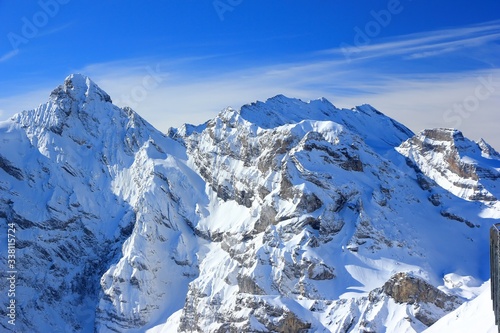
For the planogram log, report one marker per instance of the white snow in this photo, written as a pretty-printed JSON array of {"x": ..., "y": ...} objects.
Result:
[
  {"x": 282, "y": 208},
  {"x": 474, "y": 316}
]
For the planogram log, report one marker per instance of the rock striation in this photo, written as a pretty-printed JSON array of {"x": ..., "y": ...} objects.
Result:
[{"x": 281, "y": 216}]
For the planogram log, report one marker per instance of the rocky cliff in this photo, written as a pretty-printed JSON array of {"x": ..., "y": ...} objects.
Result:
[{"x": 281, "y": 216}]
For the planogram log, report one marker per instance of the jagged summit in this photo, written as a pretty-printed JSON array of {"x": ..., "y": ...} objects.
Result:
[
  {"x": 282, "y": 216},
  {"x": 455, "y": 139},
  {"x": 487, "y": 150},
  {"x": 280, "y": 110},
  {"x": 80, "y": 114},
  {"x": 468, "y": 169},
  {"x": 442, "y": 133},
  {"x": 78, "y": 102},
  {"x": 378, "y": 130},
  {"x": 78, "y": 87}
]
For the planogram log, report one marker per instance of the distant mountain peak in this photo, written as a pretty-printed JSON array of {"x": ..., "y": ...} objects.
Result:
[
  {"x": 282, "y": 216},
  {"x": 442, "y": 134},
  {"x": 466, "y": 168},
  {"x": 80, "y": 88},
  {"x": 377, "y": 129},
  {"x": 78, "y": 107},
  {"x": 487, "y": 150}
]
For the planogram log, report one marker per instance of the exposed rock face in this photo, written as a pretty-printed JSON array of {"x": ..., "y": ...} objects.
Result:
[
  {"x": 86, "y": 192},
  {"x": 468, "y": 169},
  {"x": 283, "y": 216},
  {"x": 427, "y": 303},
  {"x": 272, "y": 160},
  {"x": 320, "y": 271},
  {"x": 405, "y": 288}
]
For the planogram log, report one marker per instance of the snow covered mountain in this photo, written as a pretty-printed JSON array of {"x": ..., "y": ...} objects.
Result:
[{"x": 282, "y": 216}]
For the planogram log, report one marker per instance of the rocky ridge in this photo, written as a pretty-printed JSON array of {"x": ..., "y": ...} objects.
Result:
[{"x": 282, "y": 216}]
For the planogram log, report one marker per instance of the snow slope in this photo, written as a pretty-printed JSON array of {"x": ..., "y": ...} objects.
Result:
[
  {"x": 332, "y": 216},
  {"x": 473, "y": 316},
  {"x": 84, "y": 182},
  {"x": 282, "y": 216}
]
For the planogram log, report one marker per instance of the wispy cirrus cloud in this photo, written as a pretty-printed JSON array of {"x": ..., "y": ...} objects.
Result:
[
  {"x": 54, "y": 30},
  {"x": 423, "y": 100},
  {"x": 170, "y": 92},
  {"x": 423, "y": 44},
  {"x": 9, "y": 55}
]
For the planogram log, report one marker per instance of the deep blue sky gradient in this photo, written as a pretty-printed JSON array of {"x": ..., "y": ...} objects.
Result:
[
  {"x": 196, "y": 43},
  {"x": 254, "y": 32}
]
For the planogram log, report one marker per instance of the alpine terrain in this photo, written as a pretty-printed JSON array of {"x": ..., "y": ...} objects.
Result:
[{"x": 281, "y": 216}]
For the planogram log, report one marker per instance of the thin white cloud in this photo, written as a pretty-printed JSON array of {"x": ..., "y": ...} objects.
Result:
[
  {"x": 42, "y": 33},
  {"x": 432, "y": 53},
  {"x": 176, "y": 94},
  {"x": 23, "y": 101},
  {"x": 418, "y": 101},
  {"x": 459, "y": 100},
  {"x": 9, "y": 55},
  {"x": 424, "y": 43},
  {"x": 48, "y": 32},
  {"x": 449, "y": 46}
]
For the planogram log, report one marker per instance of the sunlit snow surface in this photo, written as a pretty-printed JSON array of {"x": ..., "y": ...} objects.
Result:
[
  {"x": 282, "y": 209},
  {"x": 473, "y": 316}
]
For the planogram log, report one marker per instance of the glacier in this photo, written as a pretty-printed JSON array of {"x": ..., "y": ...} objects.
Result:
[{"x": 280, "y": 216}]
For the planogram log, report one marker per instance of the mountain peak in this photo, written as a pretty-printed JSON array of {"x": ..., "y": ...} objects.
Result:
[
  {"x": 378, "y": 130},
  {"x": 77, "y": 106},
  {"x": 442, "y": 134},
  {"x": 487, "y": 150},
  {"x": 465, "y": 168},
  {"x": 284, "y": 216},
  {"x": 78, "y": 87}
]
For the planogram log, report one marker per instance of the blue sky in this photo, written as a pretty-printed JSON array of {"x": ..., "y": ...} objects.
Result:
[{"x": 424, "y": 63}]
